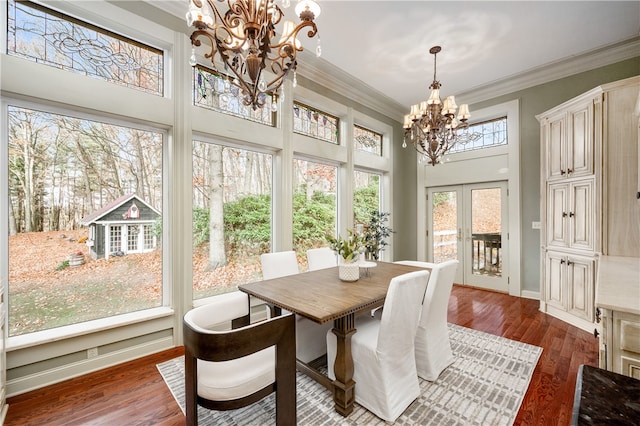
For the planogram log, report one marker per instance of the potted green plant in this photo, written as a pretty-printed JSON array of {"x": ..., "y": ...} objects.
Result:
[
  {"x": 349, "y": 250},
  {"x": 376, "y": 234}
]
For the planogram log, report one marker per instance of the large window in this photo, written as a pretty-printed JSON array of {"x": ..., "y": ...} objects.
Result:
[
  {"x": 366, "y": 196},
  {"x": 314, "y": 123},
  {"x": 79, "y": 192},
  {"x": 231, "y": 216},
  {"x": 57, "y": 40},
  {"x": 314, "y": 205}
]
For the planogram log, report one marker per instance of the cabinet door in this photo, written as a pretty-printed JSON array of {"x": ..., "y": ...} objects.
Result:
[
  {"x": 580, "y": 284},
  {"x": 581, "y": 215},
  {"x": 555, "y": 134},
  {"x": 580, "y": 141},
  {"x": 557, "y": 213},
  {"x": 555, "y": 280}
]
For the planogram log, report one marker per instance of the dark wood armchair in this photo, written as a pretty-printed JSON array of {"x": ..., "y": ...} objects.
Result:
[{"x": 260, "y": 359}]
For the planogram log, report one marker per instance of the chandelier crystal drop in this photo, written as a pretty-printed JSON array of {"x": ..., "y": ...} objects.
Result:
[
  {"x": 432, "y": 126},
  {"x": 244, "y": 38}
]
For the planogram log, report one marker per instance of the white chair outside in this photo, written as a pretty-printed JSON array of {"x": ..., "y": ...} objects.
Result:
[
  {"x": 321, "y": 258},
  {"x": 384, "y": 350},
  {"x": 433, "y": 348},
  {"x": 310, "y": 336}
]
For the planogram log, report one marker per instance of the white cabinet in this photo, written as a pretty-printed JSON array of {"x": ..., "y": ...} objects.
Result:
[
  {"x": 569, "y": 285},
  {"x": 571, "y": 215},
  {"x": 618, "y": 312},
  {"x": 588, "y": 205},
  {"x": 569, "y": 139}
]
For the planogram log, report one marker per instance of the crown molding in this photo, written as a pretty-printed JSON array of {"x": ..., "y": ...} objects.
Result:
[
  {"x": 601, "y": 57},
  {"x": 335, "y": 79}
]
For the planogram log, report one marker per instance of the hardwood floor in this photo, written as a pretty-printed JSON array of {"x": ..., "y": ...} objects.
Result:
[{"x": 135, "y": 394}]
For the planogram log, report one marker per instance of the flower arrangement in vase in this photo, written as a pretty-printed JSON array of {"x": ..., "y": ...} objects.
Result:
[{"x": 349, "y": 250}]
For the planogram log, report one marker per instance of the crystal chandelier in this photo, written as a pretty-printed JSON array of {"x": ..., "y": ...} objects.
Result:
[
  {"x": 243, "y": 38},
  {"x": 432, "y": 126}
]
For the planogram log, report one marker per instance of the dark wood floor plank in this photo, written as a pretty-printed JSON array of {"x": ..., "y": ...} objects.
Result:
[{"x": 134, "y": 393}]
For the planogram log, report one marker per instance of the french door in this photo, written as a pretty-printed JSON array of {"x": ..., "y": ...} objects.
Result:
[{"x": 469, "y": 223}]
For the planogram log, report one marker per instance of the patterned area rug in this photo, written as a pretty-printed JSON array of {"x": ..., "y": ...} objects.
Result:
[{"x": 484, "y": 386}]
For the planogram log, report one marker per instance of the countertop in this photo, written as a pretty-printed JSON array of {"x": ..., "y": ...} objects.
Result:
[
  {"x": 618, "y": 284},
  {"x": 605, "y": 398}
]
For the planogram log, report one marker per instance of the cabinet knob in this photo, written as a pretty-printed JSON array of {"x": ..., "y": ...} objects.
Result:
[
  {"x": 571, "y": 214},
  {"x": 595, "y": 333},
  {"x": 562, "y": 172},
  {"x": 598, "y": 315},
  {"x": 569, "y": 171},
  {"x": 569, "y": 263},
  {"x": 561, "y": 261},
  {"x": 564, "y": 214}
]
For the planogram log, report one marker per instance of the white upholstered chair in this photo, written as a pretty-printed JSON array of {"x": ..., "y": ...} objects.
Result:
[
  {"x": 279, "y": 264},
  {"x": 229, "y": 369},
  {"x": 383, "y": 350},
  {"x": 433, "y": 348},
  {"x": 321, "y": 258},
  {"x": 310, "y": 336}
]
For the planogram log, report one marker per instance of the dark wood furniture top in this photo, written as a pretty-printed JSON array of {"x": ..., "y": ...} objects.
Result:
[
  {"x": 320, "y": 295},
  {"x": 605, "y": 398}
]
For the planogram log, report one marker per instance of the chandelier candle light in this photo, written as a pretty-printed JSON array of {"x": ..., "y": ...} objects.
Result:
[
  {"x": 245, "y": 40},
  {"x": 432, "y": 125}
]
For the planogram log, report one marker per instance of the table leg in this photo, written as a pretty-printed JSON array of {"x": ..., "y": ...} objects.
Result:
[{"x": 343, "y": 385}]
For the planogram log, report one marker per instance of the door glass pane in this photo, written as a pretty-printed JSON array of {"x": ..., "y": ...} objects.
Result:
[
  {"x": 486, "y": 231},
  {"x": 445, "y": 226}
]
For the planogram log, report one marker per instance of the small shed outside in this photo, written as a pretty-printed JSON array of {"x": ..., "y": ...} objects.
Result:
[{"x": 123, "y": 226}]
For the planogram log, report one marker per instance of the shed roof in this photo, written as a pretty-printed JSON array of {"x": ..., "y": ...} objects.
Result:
[{"x": 98, "y": 214}]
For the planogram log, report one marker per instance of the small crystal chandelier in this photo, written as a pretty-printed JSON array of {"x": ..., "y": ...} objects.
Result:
[
  {"x": 244, "y": 37},
  {"x": 432, "y": 126}
]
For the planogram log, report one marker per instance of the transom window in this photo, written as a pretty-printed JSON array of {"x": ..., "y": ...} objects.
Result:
[
  {"x": 48, "y": 37},
  {"x": 367, "y": 140},
  {"x": 314, "y": 123},
  {"x": 212, "y": 91},
  {"x": 494, "y": 133}
]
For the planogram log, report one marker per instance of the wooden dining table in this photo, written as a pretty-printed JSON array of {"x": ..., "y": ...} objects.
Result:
[{"x": 321, "y": 296}]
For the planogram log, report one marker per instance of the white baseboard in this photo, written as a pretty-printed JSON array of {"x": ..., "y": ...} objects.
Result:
[
  {"x": 528, "y": 294},
  {"x": 65, "y": 372}
]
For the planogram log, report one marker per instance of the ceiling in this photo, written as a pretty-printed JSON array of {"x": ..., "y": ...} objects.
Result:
[{"x": 385, "y": 44}]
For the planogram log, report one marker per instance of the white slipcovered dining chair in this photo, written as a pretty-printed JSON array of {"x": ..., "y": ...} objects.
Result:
[
  {"x": 279, "y": 264},
  {"x": 383, "y": 350},
  {"x": 226, "y": 369},
  {"x": 310, "y": 336},
  {"x": 433, "y": 348},
  {"x": 321, "y": 258}
]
